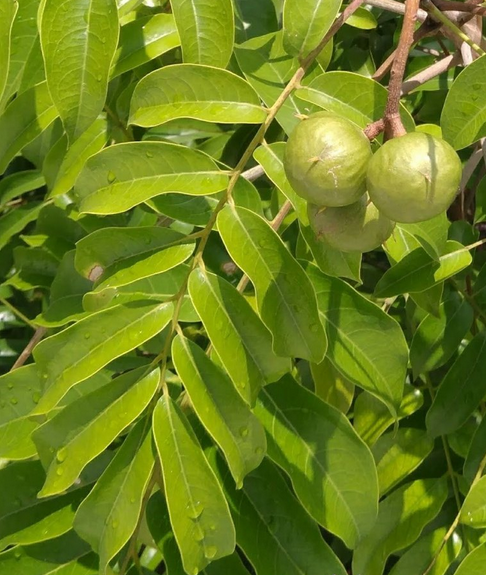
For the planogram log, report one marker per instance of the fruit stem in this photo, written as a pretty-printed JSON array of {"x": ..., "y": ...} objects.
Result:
[{"x": 393, "y": 123}]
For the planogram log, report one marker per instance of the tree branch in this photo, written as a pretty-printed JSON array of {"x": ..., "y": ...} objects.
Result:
[
  {"x": 393, "y": 123},
  {"x": 40, "y": 332}
]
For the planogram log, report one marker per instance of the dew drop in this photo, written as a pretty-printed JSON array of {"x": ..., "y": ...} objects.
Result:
[
  {"x": 263, "y": 243},
  {"x": 111, "y": 177},
  {"x": 199, "y": 535},
  {"x": 210, "y": 552},
  {"x": 59, "y": 471},
  {"x": 36, "y": 397},
  {"x": 476, "y": 86},
  {"x": 132, "y": 500},
  {"x": 10, "y": 385},
  {"x": 14, "y": 401},
  {"x": 44, "y": 376},
  {"x": 195, "y": 510},
  {"x": 17, "y": 555},
  {"x": 244, "y": 431},
  {"x": 259, "y": 451},
  {"x": 195, "y": 571},
  {"x": 87, "y": 335},
  {"x": 99, "y": 77},
  {"x": 314, "y": 328},
  {"x": 103, "y": 40},
  {"x": 149, "y": 154},
  {"x": 296, "y": 308},
  {"x": 114, "y": 524},
  {"x": 242, "y": 385},
  {"x": 61, "y": 455}
]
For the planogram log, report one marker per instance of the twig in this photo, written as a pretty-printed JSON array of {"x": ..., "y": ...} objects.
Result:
[
  {"x": 253, "y": 173},
  {"x": 431, "y": 72},
  {"x": 450, "y": 25},
  {"x": 393, "y": 122},
  {"x": 396, "y": 7},
  {"x": 450, "y": 5},
  {"x": 39, "y": 333},
  {"x": 17, "y": 312}
]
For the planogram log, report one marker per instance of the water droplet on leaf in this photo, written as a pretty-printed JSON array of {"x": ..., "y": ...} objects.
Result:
[
  {"x": 111, "y": 177},
  {"x": 210, "y": 552},
  {"x": 61, "y": 455},
  {"x": 87, "y": 335},
  {"x": 14, "y": 400},
  {"x": 59, "y": 471},
  {"x": 244, "y": 431},
  {"x": 195, "y": 510}
]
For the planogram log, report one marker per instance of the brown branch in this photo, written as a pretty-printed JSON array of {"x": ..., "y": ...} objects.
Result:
[
  {"x": 40, "y": 332},
  {"x": 393, "y": 122},
  {"x": 450, "y": 5},
  {"x": 430, "y": 72}
]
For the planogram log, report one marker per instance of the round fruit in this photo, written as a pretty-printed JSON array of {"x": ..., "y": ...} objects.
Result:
[
  {"x": 414, "y": 178},
  {"x": 326, "y": 159},
  {"x": 359, "y": 227}
]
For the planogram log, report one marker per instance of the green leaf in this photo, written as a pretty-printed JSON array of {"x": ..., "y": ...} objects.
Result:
[
  {"x": 418, "y": 271},
  {"x": 207, "y": 30},
  {"x": 438, "y": 338},
  {"x": 271, "y": 158},
  {"x": 14, "y": 221},
  {"x": 307, "y": 438},
  {"x": 26, "y": 67},
  {"x": 115, "y": 257},
  {"x": 353, "y": 96},
  {"x": 268, "y": 68},
  {"x": 473, "y": 564},
  {"x": 90, "y": 142},
  {"x": 372, "y": 418},
  {"x": 66, "y": 555},
  {"x": 23, "y": 120},
  {"x": 401, "y": 518},
  {"x": 273, "y": 529},
  {"x": 109, "y": 515},
  {"x": 461, "y": 391},
  {"x": 399, "y": 453},
  {"x": 285, "y": 298},
  {"x": 143, "y": 40},
  {"x": 35, "y": 267},
  {"x": 365, "y": 344},
  {"x": 242, "y": 342},
  {"x": 331, "y": 386},
  {"x": 18, "y": 183},
  {"x": 19, "y": 394},
  {"x": 473, "y": 510},
  {"x": 221, "y": 410},
  {"x": 78, "y": 41},
  {"x": 362, "y": 19},
  {"x": 126, "y": 6},
  {"x": 8, "y": 10},
  {"x": 198, "y": 510},
  {"x": 41, "y": 521},
  {"x": 417, "y": 559},
  {"x": 82, "y": 430},
  {"x": 194, "y": 91},
  {"x": 305, "y": 22},
  {"x": 160, "y": 287},
  {"x": 463, "y": 118},
  {"x": 81, "y": 350},
  {"x": 159, "y": 525},
  {"x": 125, "y": 175},
  {"x": 66, "y": 297},
  {"x": 476, "y": 452}
]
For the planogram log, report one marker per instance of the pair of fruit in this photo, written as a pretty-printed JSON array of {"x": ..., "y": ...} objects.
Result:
[{"x": 329, "y": 163}]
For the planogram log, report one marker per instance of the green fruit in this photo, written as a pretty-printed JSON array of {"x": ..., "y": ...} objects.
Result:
[
  {"x": 359, "y": 227},
  {"x": 414, "y": 178},
  {"x": 326, "y": 160}
]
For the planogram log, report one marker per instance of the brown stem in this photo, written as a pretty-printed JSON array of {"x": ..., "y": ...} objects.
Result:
[
  {"x": 24, "y": 356},
  {"x": 393, "y": 123},
  {"x": 374, "y": 129},
  {"x": 450, "y": 5}
]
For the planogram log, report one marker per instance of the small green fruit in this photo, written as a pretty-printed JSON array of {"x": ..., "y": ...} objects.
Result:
[
  {"x": 414, "y": 178},
  {"x": 359, "y": 227},
  {"x": 326, "y": 159}
]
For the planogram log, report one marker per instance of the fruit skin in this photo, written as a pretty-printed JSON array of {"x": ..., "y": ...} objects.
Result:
[
  {"x": 326, "y": 160},
  {"x": 414, "y": 178},
  {"x": 359, "y": 227}
]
